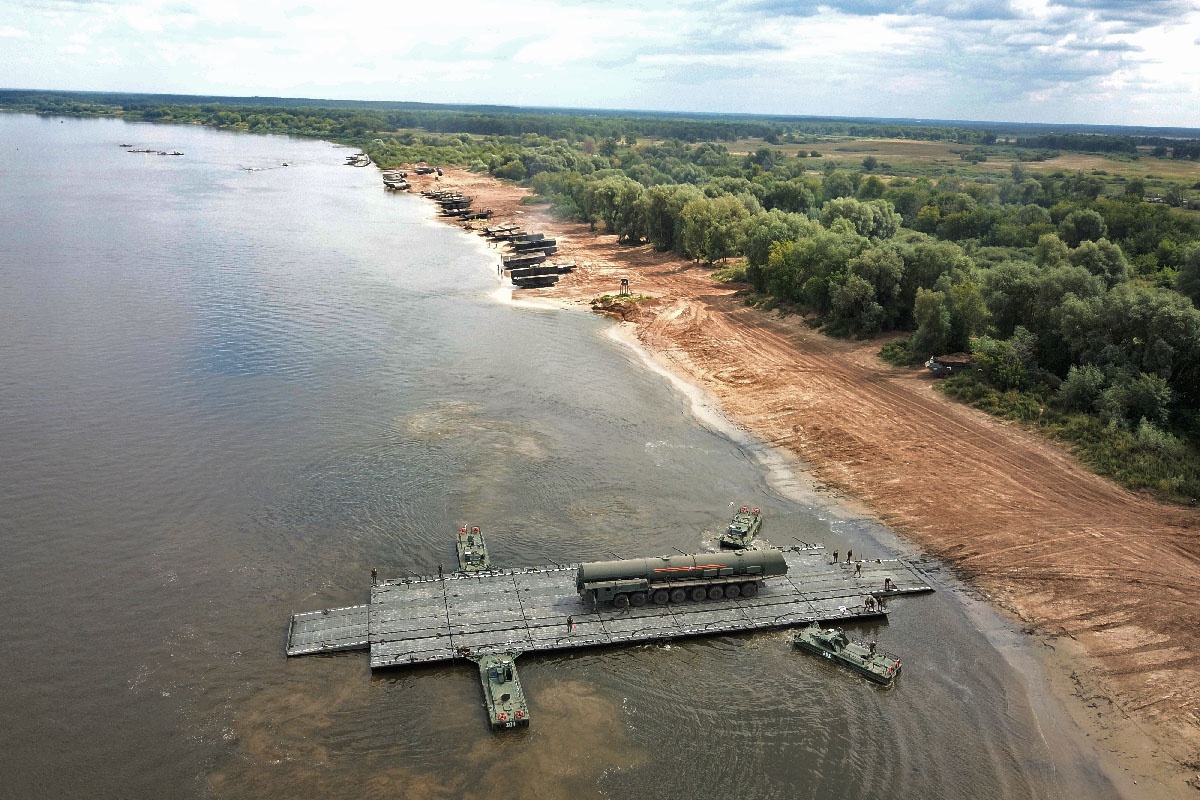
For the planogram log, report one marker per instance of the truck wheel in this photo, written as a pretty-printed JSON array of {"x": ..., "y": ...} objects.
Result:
[
  {"x": 637, "y": 599},
  {"x": 678, "y": 595},
  {"x": 660, "y": 597},
  {"x": 749, "y": 589},
  {"x": 621, "y": 601},
  {"x": 732, "y": 590},
  {"x": 698, "y": 594},
  {"x": 715, "y": 593}
]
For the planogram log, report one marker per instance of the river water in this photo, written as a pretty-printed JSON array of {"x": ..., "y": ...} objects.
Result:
[{"x": 229, "y": 388}]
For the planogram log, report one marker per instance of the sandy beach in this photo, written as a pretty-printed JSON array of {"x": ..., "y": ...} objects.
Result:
[{"x": 1102, "y": 579}]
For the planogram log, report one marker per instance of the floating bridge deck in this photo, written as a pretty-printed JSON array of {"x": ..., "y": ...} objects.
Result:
[{"x": 422, "y": 620}]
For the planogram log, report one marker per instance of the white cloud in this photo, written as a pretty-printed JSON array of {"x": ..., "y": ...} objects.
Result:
[{"x": 1047, "y": 60}]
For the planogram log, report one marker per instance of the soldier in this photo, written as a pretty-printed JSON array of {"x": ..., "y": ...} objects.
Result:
[{"x": 374, "y": 576}]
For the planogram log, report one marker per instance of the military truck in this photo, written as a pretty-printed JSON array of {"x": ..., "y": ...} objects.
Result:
[{"x": 675, "y": 579}]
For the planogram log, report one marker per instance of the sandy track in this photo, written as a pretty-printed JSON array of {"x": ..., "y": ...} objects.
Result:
[{"x": 1076, "y": 558}]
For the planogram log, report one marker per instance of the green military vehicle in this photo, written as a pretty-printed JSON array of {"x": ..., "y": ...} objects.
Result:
[
  {"x": 743, "y": 529},
  {"x": 472, "y": 550},
  {"x": 502, "y": 695},
  {"x": 862, "y": 657},
  {"x": 677, "y": 579}
]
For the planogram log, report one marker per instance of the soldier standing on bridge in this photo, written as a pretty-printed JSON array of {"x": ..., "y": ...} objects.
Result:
[
  {"x": 374, "y": 576},
  {"x": 570, "y": 623}
]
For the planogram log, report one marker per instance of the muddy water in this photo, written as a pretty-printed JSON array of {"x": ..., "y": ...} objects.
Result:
[{"x": 229, "y": 388}]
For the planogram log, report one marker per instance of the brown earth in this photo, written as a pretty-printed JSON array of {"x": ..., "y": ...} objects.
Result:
[{"x": 1086, "y": 566}]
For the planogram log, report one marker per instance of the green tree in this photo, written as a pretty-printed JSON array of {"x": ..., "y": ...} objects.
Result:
[
  {"x": 1187, "y": 281},
  {"x": 838, "y": 183},
  {"x": 1137, "y": 329},
  {"x": 925, "y": 263},
  {"x": 871, "y": 187},
  {"x": 762, "y": 231},
  {"x": 1144, "y": 397},
  {"x": 1103, "y": 258},
  {"x": 875, "y": 219},
  {"x": 1082, "y": 388},
  {"x": 968, "y": 313},
  {"x": 803, "y": 271},
  {"x": 882, "y": 266},
  {"x": 614, "y": 200},
  {"x": 712, "y": 227},
  {"x": 660, "y": 209},
  {"x": 1082, "y": 225},
  {"x": 795, "y": 195},
  {"x": 933, "y": 324},
  {"x": 1050, "y": 251},
  {"x": 1007, "y": 363},
  {"x": 853, "y": 307}
]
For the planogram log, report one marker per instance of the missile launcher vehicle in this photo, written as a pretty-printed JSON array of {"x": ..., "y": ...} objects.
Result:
[{"x": 675, "y": 579}]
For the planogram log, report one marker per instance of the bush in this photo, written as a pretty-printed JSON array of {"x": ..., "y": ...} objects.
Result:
[
  {"x": 1082, "y": 388},
  {"x": 898, "y": 354},
  {"x": 1143, "y": 397},
  {"x": 1150, "y": 437},
  {"x": 732, "y": 272}
]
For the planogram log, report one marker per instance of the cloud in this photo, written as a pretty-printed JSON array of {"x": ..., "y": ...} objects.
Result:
[
  {"x": 1070, "y": 60},
  {"x": 1131, "y": 15},
  {"x": 943, "y": 9}
]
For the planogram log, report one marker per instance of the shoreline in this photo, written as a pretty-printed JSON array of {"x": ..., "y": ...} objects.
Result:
[
  {"x": 1099, "y": 578},
  {"x": 1063, "y": 730}
]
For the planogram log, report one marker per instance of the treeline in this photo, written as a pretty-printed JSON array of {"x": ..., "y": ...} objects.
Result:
[
  {"x": 331, "y": 118},
  {"x": 1080, "y": 142},
  {"x": 1096, "y": 143},
  {"x": 1189, "y": 149}
]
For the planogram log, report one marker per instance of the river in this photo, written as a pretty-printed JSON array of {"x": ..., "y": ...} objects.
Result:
[{"x": 234, "y": 381}]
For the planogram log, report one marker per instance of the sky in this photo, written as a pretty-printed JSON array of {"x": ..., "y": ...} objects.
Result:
[{"x": 1117, "y": 62}]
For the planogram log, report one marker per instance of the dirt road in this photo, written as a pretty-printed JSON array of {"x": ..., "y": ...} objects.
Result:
[{"x": 1081, "y": 562}]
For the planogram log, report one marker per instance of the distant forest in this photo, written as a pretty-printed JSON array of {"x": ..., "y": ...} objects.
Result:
[{"x": 1075, "y": 292}]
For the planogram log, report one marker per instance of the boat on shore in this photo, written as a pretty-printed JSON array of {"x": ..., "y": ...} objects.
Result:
[
  {"x": 742, "y": 530},
  {"x": 865, "y": 658}
]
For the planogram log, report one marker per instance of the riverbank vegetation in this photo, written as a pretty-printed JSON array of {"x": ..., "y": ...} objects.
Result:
[{"x": 1065, "y": 260}]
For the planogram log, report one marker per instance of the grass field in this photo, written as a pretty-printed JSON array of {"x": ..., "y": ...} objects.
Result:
[
  {"x": 905, "y": 157},
  {"x": 1146, "y": 167}
]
